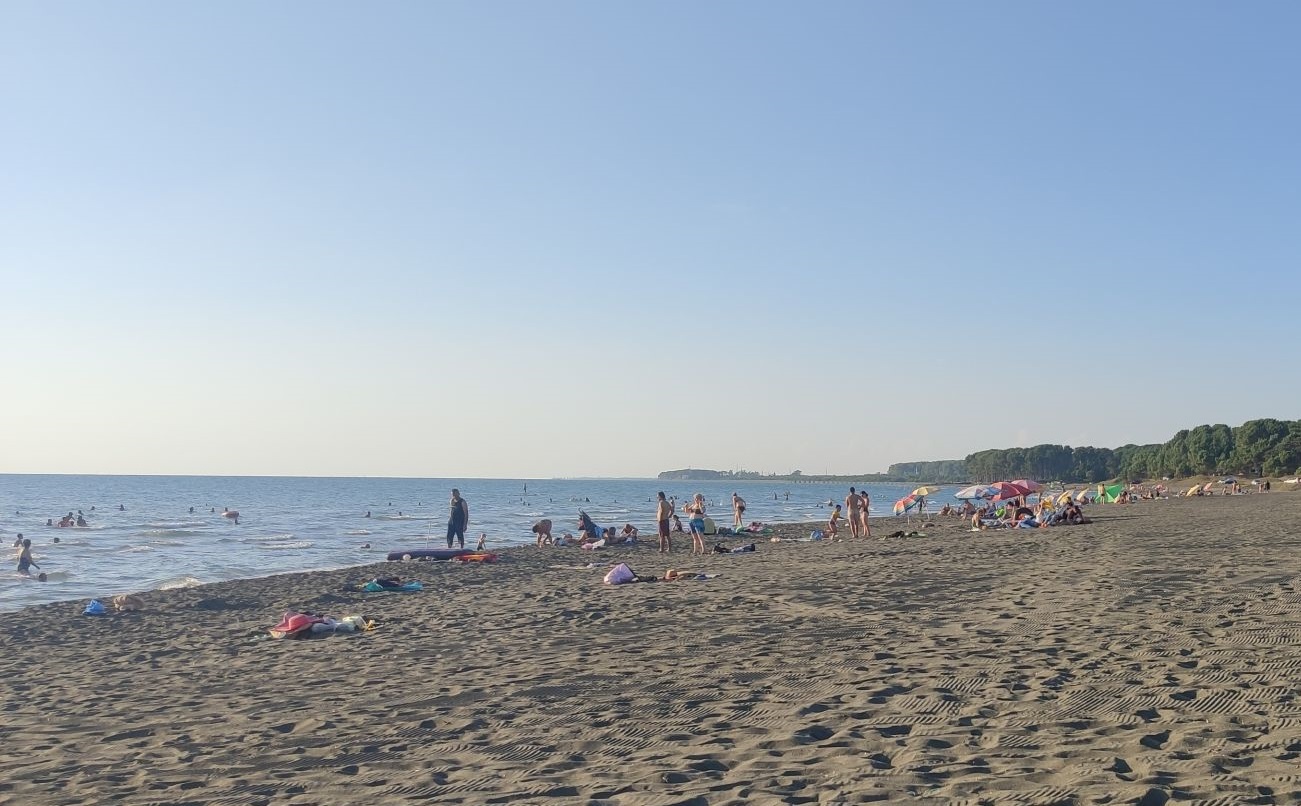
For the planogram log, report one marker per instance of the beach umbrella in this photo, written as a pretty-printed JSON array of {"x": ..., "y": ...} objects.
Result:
[
  {"x": 927, "y": 490},
  {"x": 1031, "y": 486},
  {"x": 1065, "y": 498},
  {"x": 1003, "y": 490},
  {"x": 905, "y": 504},
  {"x": 974, "y": 491},
  {"x": 1193, "y": 490}
]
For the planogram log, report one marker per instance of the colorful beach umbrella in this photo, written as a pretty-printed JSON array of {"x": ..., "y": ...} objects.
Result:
[
  {"x": 1003, "y": 490},
  {"x": 1031, "y": 486},
  {"x": 904, "y": 504},
  {"x": 925, "y": 491},
  {"x": 974, "y": 491}
]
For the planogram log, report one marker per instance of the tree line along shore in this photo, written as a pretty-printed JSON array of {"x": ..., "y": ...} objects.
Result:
[{"x": 1258, "y": 448}]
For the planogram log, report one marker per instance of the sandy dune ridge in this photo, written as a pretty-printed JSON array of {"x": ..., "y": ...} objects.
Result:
[{"x": 1152, "y": 655}]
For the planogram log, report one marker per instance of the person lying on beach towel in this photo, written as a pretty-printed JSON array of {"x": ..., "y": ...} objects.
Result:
[
  {"x": 719, "y": 548},
  {"x": 307, "y": 625},
  {"x": 621, "y": 574}
]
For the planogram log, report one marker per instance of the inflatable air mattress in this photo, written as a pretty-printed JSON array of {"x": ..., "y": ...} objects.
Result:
[{"x": 427, "y": 554}]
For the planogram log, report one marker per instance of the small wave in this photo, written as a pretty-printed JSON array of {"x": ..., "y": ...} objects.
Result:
[
  {"x": 268, "y": 538},
  {"x": 172, "y": 533},
  {"x": 405, "y": 518},
  {"x": 133, "y": 549},
  {"x": 530, "y": 514},
  {"x": 179, "y": 582},
  {"x": 174, "y": 524},
  {"x": 166, "y": 543},
  {"x": 289, "y": 546},
  {"x": 357, "y": 532}
]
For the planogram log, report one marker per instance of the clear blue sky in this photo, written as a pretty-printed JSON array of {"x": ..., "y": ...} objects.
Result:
[{"x": 537, "y": 239}]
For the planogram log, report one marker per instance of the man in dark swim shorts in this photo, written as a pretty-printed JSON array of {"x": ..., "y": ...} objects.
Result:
[{"x": 458, "y": 520}]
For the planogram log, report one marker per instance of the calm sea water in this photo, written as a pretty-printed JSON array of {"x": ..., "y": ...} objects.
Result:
[{"x": 296, "y": 524}]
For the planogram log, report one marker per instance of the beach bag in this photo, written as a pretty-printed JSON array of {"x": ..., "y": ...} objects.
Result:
[
  {"x": 621, "y": 574},
  {"x": 710, "y": 527},
  {"x": 816, "y": 534},
  {"x": 95, "y": 608}
]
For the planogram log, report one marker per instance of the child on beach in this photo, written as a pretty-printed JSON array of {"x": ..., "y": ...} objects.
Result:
[
  {"x": 833, "y": 532},
  {"x": 483, "y": 542}
]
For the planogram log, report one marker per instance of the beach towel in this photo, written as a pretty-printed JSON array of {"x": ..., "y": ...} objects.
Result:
[{"x": 391, "y": 586}]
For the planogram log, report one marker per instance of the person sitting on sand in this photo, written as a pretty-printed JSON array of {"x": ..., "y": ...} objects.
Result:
[
  {"x": 543, "y": 531},
  {"x": 587, "y": 528},
  {"x": 677, "y": 524},
  {"x": 946, "y": 511},
  {"x": 629, "y": 533},
  {"x": 25, "y": 559}
]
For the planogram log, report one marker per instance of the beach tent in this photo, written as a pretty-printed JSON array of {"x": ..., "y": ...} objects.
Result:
[{"x": 1110, "y": 492}]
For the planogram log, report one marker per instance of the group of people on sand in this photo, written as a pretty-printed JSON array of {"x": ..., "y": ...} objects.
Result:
[
  {"x": 667, "y": 523},
  {"x": 856, "y": 512},
  {"x": 1017, "y": 513}
]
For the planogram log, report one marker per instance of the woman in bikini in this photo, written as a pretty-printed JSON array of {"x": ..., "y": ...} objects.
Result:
[{"x": 696, "y": 509}]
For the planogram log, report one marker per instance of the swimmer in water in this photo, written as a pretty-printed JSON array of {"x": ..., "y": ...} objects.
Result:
[
  {"x": 18, "y": 542},
  {"x": 191, "y": 510},
  {"x": 25, "y": 559},
  {"x": 56, "y": 540},
  {"x": 49, "y": 521},
  {"x": 121, "y": 508},
  {"x": 368, "y": 513},
  {"x": 365, "y": 545}
]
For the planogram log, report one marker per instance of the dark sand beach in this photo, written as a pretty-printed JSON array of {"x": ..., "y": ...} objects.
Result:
[{"x": 1152, "y": 655}]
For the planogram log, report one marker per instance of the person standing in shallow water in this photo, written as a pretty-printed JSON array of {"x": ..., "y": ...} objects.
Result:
[
  {"x": 458, "y": 519},
  {"x": 738, "y": 511}
]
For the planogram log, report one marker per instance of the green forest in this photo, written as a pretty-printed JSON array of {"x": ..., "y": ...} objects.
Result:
[{"x": 1265, "y": 447}]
